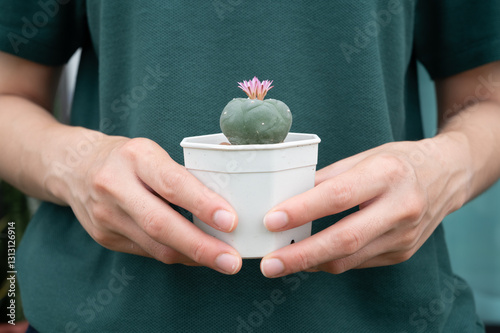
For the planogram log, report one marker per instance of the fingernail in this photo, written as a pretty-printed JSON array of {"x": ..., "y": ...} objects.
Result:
[
  {"x": 227, "y": 263},
  {"x": 272, "y": 267},
  {"x": 224, "y": 220},
  {"x": 275, "y": 220}
]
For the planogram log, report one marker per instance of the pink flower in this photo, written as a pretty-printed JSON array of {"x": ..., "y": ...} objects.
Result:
[{"x": 256, "y": 89}]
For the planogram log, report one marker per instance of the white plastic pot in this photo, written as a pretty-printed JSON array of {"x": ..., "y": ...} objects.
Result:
[{"x": 253, "y": 179}]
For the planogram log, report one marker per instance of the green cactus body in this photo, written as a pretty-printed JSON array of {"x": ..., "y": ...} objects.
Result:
[{"x": 253, "y": 121}]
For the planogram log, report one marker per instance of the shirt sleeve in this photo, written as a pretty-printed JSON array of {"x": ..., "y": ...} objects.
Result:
[
  {"x": 43, "y": 31},
  {"x": 452, "y": 36}
]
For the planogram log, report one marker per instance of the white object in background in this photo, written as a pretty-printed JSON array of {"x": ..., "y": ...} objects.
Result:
[
  {"x": 253, "y": 179},
  {"x": 66, "y": 88}
]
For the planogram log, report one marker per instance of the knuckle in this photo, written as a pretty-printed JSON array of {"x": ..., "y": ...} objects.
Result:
[
  {"x": 173, "y": 183},
  {"x": 202, "y": 205},
  {"x": 103, "y": 237},
  {"x": 130, "y": 149},
  {"x": 351, "y": 241},
  {"x": 337, "y": 267},
  {"x": 101, "y": 213},
  {"x": 325, "y": 246},
  {"x": 302, "y": 260},
  {"x": 395, "y": 168},
  {"x": 415, "y": 207},
  {"x": 337, "y": 194},
  {"x": 145, "y": 151},
  {"x": 138, "y": 146},
  {"x": 103, "y": 181},
  {"x": 199, "y": 251},
  {"x": 152, "y": 224},
  {"x": 403, "y": 256},
  {"x": 165, "y": 255},
  {"x": 408, "y": 240}
]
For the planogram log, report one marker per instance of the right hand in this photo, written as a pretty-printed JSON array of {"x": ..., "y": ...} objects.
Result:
[
  {"x": 121, "y": 194},
  {"x": 120, "y": 190}
]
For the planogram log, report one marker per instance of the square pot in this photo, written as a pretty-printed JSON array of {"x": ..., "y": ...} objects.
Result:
[{"x": 253, "y": 179}]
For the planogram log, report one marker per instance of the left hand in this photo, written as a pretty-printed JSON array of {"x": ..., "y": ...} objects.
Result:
[{"x": 403, "y": 190}]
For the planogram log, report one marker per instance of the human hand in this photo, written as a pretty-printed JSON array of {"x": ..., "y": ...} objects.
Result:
[
  {"x": 121, "y": 195},
  {"x": 403, "y": 190}
]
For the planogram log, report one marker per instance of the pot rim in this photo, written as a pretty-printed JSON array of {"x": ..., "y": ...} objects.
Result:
[{"x": 212, "y": 141}]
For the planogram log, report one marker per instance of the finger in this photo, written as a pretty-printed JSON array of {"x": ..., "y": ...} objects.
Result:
[
  {"x": 163, "y": 253},
  {"x": 343, "y": 239},
  {"x": 149, "y": 249},
  {"x": 115, "y": 241},
  {"x": 174, "y": 183},
  {"x": 122, "y": 244},
  {"x": 357, "y": 238},
  {"x": 347, "y": 190},
  {"x": 344, "y": 165},
  {"x": 164, "y": 225},
  {"x": 408, "y": 233},
  {"x": 143, "y": 245},
  {"x": 404, "y": 254},
  {"x": 111, "y": 226},
  {"x": 375, "y": 254},
  {"x": 312, "y": 270},
  {"x": 139, "y": 239},
  {"x": 339, "y": 167},
  {"x": 109, "y": 239},
  {"x": 114, "y": 229}
]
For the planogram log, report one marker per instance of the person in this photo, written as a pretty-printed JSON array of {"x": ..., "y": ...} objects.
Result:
[{"x": 112, "y": 248}]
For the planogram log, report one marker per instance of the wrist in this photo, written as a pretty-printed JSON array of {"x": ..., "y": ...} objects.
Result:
[
  {"x": 67, "y": 159},
  {"x": 450, "y": 153},
  {"x": 477, "y": 139}
]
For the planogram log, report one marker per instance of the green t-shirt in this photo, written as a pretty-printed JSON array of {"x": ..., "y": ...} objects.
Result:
[{"x": 164, "y": 70}]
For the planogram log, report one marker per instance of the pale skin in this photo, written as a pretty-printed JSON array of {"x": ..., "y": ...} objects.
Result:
[{"x": 120, "y": 190}]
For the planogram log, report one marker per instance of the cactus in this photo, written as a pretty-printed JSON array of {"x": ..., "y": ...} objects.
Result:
[{"x": 255, "y": 120}]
